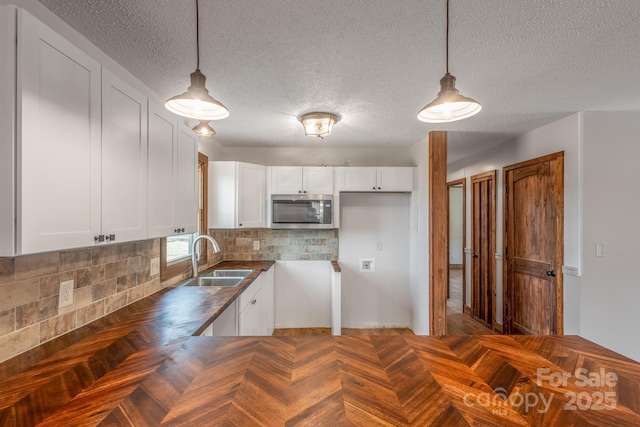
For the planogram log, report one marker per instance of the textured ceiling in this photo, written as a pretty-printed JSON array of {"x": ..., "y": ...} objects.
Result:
[{"x": 376, "y": 62}]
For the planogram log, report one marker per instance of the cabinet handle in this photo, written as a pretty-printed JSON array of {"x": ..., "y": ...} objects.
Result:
[
  {"x": 182, "y": 230},
  {"x": 253, "y": 301},
  {"x": 111, "y": 237},
  {"x": 99, "y": 238}
]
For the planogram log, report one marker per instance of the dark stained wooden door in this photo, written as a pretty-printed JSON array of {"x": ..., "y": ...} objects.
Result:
[
  {"x": 483, "y": 247},
  {"x": 534, "y": 215}
]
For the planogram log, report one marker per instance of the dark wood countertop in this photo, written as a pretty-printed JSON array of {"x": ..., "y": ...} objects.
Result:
[
  {"x": 141, "y": 366},
  {"x": 115, "y": 351}
]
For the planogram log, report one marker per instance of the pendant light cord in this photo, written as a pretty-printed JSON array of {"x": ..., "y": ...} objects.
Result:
[
  {"x": 447, "y": 36},
  {"x": 198, "y": 36}
]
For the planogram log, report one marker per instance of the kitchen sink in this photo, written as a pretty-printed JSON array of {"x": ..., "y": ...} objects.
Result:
[
  {"x": 223, "y": 282},
  {"x": 221, "y": 278},
  {"x": 228, "y": 273}
]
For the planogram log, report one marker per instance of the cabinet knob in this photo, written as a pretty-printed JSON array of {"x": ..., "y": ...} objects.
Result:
[
  {"x": 379, "y": 188},
  {"x": 182, "y": 230},
  {"x": 373, "y": 188},
  {"x": 299, "y": 191},
  {"x": 240, "y": 225}
]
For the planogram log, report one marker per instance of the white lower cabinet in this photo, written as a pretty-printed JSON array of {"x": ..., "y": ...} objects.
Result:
[
  {"x": 256, "y": 312},
  {"x": 303, "y": 294},
  {"x": 251, "y": 314},
  {"x": 226, "y": 325}
]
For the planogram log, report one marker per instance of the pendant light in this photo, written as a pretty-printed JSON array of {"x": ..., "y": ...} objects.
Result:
[
  {"x": 203, "y": 130},
  {"x": 196, "y": 103},
  {"x": 318, "y": 124},
  {"x": 449, "y": 105}
]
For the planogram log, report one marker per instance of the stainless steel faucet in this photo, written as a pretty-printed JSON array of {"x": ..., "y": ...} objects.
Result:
[{"x": 194, "y": 261}]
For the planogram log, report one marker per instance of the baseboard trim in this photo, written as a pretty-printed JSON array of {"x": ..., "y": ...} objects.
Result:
[
  {"x": 497, "y": 327},
  {"x": 467, "y": 310},
  {"x": 455, "y": 266}
]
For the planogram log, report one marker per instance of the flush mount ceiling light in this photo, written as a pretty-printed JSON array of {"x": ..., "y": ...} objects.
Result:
[
  {"x": 318, "y": 124},
  {"x": 196, "y": 103},
  {"x": 449, "y": 105},
  {"x": 203, "y": 130}
]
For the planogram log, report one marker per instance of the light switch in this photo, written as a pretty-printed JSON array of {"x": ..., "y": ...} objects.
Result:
[
  {"x": 599, "y": 249},
  {"x": 256, "y": 245}
]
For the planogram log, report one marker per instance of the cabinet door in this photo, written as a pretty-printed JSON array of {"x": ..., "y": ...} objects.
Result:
[
  {"x": 58, "y": 141},
  {"x": 186, "y": 214},
  {"x": 226, "y": 325},
  {"x": 163, "y": 134},
  {"x": 251, "y": 195},
  {"x": 268, "y": 300},
  {"x": 250, "y": 319},
  {"x": 395, "y": 179},
  {"x": 7, "y": 130},
  {"x": 124, "y": 160},
  {"x": 317, "y": 180},
  {"x": 286, "y": 180},
  {"x": 357, "y": 179}
]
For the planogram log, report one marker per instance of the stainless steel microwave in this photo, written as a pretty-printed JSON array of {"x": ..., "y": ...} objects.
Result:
[{"x": 301, "y": 211}]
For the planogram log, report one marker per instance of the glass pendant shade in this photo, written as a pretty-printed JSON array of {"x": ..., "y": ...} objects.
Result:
[
  {"x": 318, "y": 124},
  {"x": 203, "y": 130},
  {"x": 196, "y": 103},
  {"x": 449, "y": 105}
]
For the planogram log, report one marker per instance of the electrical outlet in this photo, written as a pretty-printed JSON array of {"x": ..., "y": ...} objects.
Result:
[
  {"x": 154, "y": 268},
  {"x": 256, "y": 245},
  {"x": 66, "y": 293},
  {"x": 368, "y": 265}
]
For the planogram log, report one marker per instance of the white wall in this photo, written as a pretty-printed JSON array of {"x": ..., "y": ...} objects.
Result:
[
  {"x": 317, "y": 155},
  {"x": 610, "y": 287},
  {"x": 456, "y": 245},
  {"x": 375, "y": 226},
  {"x": 419, "y": 240}
]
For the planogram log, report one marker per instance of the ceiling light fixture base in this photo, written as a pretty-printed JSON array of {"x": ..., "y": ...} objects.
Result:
[{"x": 318, "y": 124}]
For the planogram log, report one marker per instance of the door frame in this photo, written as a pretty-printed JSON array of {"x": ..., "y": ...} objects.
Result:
[
  {"x": 493, "y": 174},
  {"x": 455, "y": 183},
  {"x": 507, "y": 239}
]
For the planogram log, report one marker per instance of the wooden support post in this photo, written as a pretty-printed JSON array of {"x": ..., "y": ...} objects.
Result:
[{"x": 438, "y": 236}]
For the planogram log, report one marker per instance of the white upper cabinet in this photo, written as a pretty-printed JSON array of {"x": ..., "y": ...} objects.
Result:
[
  {"x": 162, "y": 155},
  {"x": 236, "y": 195},
  {"x": 300, "y": 180},
  {"x": 186, "y": 208},
  {"x": 396, "y": 179},
  {"x": 57, "y": 143},
  {"x": 124, "y": 160},
  {"x": 172, "y": 196}
]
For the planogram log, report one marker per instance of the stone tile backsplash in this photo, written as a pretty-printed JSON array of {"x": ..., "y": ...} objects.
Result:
[
  {"x": 317, "y": 245},
  {"x": 106, "y": 278}
]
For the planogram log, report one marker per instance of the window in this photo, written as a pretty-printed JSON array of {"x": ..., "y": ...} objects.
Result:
[{"x": 175, "y": 251}]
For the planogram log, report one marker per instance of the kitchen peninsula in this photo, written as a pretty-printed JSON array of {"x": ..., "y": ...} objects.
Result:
[{"x": 145, "y": 365}]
